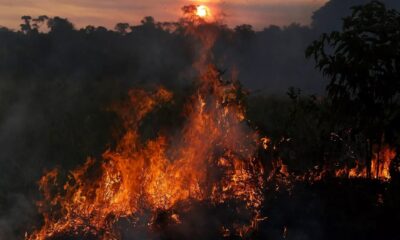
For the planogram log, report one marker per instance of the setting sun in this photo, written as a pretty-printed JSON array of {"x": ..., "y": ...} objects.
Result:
[{"x": 202, "y": 11}]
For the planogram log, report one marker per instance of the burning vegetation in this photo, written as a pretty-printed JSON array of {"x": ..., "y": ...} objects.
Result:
[
  {"x": 379, "y": 168},
  {"x": 215, "y": 174},
  {"x": 211, "y": 159}
]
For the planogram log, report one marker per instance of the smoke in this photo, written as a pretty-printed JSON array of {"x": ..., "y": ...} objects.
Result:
[
  {"x": 55, "y": 87},
  {"x": 273, "y": 61},
  {"x": 329, "y": 17},
  {"x": 15, "y": 218}
]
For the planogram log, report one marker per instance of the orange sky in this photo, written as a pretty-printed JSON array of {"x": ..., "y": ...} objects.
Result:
[{"x": 259, "y": 13}]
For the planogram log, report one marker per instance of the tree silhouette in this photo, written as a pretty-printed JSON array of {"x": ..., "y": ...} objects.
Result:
[
  {"x": 58, "y": 24},
  {"x": 26, "y": 25},
  {"x": 39, "y": 21},
  {"x": 363, "y": 63},
  {"x": 122, "y": 28}
]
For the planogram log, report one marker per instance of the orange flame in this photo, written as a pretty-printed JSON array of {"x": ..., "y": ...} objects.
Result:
[
  {"x": 212, "y": 159},
  {"x": 380, "y": 165}
]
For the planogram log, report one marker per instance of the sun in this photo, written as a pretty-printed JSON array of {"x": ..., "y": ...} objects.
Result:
[{"x": 202, "y": 11}]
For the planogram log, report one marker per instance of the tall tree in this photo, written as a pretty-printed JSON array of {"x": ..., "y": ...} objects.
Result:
[{"x": 362, "y": 63}]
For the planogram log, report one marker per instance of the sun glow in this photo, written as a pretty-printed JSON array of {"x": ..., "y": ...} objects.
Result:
[{"x": 203, "y": 11}]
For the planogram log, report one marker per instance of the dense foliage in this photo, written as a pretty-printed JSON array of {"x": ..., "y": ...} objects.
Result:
[{"x": 363, "y": 65}]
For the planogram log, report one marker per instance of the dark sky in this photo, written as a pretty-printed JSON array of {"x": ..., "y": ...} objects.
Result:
[{"x": 259, "y": 13}]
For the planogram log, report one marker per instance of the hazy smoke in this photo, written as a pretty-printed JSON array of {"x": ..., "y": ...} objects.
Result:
[{"x": 54, "y": 89}]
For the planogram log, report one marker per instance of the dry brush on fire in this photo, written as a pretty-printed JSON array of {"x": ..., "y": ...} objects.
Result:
[{"x": 194, "y": 130}]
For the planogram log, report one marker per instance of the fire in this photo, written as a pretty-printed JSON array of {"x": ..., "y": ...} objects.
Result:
[
  {"x": 380, "y": 165},
  {"x": 212, "y": 159},
  {"x": 202, "y": 11}
]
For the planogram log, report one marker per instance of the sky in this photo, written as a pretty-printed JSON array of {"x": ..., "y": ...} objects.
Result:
[{"x": 259, "y": 13}]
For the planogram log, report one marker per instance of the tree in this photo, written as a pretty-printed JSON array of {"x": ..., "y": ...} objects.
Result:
[
  {"x": 58, "y": 24},
  {"x": 39, "y": 21},
  {"x": 148, "y": 21},
  {"x": 245, "y": 31},
  {"x": 148, "y": 24},
  {"x": 362, "y": 63},
  {"x": 26, "y": 26},
  {"x": 122, "y": 28}
]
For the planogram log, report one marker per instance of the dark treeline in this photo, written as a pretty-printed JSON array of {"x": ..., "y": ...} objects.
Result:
[{"x": 57, "y": 81}]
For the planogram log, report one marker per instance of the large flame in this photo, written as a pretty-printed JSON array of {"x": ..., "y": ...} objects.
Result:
[{"x": 211, "y": 159}]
